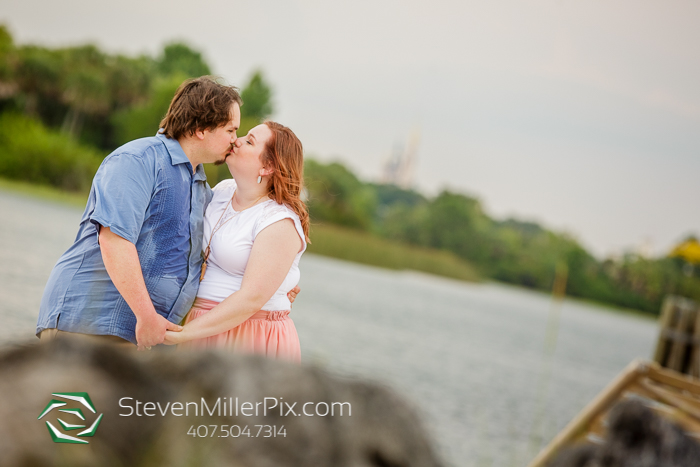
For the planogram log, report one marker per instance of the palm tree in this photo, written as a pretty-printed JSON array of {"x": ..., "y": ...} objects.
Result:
[
  {"x": 85, "y": 88},
  {"x": 37, "y": 74},
  {"x": 7, "y": 56}
]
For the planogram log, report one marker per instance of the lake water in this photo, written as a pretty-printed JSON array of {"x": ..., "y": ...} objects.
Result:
[{"x": 471, "y": 357}]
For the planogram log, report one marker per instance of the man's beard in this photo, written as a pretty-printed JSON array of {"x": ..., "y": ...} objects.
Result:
[{"x": 222, "y": 161}]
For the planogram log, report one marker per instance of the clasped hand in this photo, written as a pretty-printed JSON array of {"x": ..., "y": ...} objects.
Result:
[
  {"x": 171, "y": 333},
  {"x": 151, "y": 330}
]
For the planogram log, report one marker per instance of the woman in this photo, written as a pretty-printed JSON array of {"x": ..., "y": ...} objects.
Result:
[{"x": 255, "y": 230}]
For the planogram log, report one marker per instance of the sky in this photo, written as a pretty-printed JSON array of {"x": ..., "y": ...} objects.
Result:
[{"x": 582, "y": 116}]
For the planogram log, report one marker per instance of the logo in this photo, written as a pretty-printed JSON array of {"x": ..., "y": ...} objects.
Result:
[{"x": 73, "y": 415}]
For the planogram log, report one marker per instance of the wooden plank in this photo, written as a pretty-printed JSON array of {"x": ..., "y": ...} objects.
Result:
[
  {"x": 639, "y": 392},
  {"x": 682, "y": 394},
  {"x": 669, "y": 412},
  {"x": 596, "y": 429},
  {"x": 674, "y": 379},
  {"x": 671, "y": 398}
]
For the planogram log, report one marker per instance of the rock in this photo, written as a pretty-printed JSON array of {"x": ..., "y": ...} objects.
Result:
[{"x": 376, "y": 428}]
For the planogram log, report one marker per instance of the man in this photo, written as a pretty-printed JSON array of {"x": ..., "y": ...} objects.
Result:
[{"x": 133, "y": 271}]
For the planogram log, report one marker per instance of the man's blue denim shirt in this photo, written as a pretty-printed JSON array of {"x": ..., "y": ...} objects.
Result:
[{"x": 145, "y": 192}]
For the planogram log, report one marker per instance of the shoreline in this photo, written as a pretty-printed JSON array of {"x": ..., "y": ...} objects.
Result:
[{"x": 343, "y": 244}]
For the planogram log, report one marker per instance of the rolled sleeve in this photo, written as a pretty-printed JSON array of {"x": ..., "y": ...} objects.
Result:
[{"x": 123, "y": 187}]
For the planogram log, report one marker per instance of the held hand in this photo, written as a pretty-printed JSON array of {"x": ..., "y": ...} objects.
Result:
[
  {"x": 173, "y": 338},
  {"x": 150, "y": 330},
  {"x": 292, "y": 294}
]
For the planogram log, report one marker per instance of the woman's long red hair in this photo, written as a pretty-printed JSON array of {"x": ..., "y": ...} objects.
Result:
[{"x": 285, "y": 155}]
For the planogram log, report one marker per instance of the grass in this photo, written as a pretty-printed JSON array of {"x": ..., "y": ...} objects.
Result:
[
  {"x": 362, "y": 247},
  {"x": 48, "y": 193}
]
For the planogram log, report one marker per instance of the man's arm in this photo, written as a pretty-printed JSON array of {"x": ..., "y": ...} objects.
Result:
[
  {"x": 271, "y": 257},
  {"x": 124, "y": 268}
]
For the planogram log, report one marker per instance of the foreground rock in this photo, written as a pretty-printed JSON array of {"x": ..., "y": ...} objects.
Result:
[
  {"x": 366, "y": 425},
  {"x": 637, "y": 437}
]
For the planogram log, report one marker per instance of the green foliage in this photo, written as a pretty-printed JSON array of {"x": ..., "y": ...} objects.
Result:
[
  {"x": 84, "y": 83},
  {"x": 37, "y": 74},
  {"x": 388, "y": 195},
  {"x": 404, "y": 223},
  {"x": 143, "y": 120},
  {"x": 107, "y": 100},
  {"x": 79, "y": 89},
  {"x": 179, "y": 59},
  {"x": 337, "y": 196},
  {"x": 523, "y": 253},
  {"x": 31, "y": 152},
  {"x": 6, "y": 54},
  {"x": 257, "y": 99},
  {"x": 456, "y": 222},
  {"x": 129, "y": 80}
]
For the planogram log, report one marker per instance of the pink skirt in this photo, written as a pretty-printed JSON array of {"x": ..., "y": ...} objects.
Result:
[{"x": 269, "y": 333}]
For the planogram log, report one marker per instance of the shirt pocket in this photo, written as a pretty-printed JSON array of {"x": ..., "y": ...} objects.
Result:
[{"x": 165, "y": 293}]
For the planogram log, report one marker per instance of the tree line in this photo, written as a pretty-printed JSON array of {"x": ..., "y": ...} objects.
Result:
[
  {"x": 510, "y": 250},
  {"x": 63, "y": 109}
]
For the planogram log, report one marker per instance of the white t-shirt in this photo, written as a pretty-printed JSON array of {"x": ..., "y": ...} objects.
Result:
[{"x": 232, "y": 243}]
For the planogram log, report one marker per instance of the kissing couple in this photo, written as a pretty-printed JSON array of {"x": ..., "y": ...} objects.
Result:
[{"x": 157, "y": 248}]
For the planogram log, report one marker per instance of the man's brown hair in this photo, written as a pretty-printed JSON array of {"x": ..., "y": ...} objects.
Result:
[{"x": 199, "y": 104}]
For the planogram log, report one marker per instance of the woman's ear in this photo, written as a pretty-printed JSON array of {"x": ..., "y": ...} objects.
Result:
[{"x": 267, "y": 171}]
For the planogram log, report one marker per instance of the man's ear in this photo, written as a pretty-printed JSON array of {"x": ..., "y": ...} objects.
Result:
[{"x": 199, "y": 134}]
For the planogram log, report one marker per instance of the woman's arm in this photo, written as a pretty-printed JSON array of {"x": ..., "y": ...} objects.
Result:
[
  {"x": 273, "y": 253},
  {"x": 122, "y": 263}
]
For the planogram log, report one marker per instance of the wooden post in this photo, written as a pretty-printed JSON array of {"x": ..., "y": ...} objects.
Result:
[
  {"x": 665, "y": 321},
  {"x": 694, "y": 369},
  {"x": 681, "y": 338}
]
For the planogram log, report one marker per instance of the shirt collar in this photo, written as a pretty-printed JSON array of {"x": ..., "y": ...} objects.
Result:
[
  {"x": 199, "y": 174},
  {"x": 178, "y": 156}
]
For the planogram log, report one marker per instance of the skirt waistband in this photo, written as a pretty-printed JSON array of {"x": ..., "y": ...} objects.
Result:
[{"x": 277, "y": 315}]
